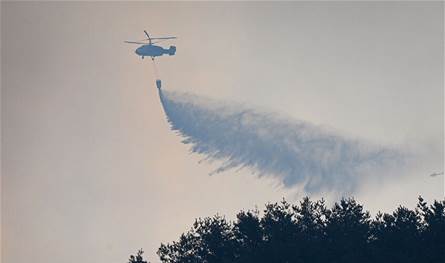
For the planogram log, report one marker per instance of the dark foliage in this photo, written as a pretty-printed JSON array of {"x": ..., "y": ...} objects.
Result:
[
  {"x": 310, "y": 232},
  {"x": 138, "y": 258}
]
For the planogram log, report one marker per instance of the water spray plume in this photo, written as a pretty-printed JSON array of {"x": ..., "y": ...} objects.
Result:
[{"x": 295, "y": 152}]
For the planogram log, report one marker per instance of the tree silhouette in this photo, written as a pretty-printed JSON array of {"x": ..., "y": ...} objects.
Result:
[
  {"x": 347, "y": 231},
  {"x": 311, "y": 218},
  {"x": 209, "y": 240},
  {"x": 248, "y": 236},
  {"x": 397, "y": 236},
  {"x": 433, "y": 230},
  {"x": 138, "y": 258},
  {"x": 310, "y": 232}
]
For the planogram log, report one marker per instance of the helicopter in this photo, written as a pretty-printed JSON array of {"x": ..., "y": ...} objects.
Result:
[{"x": 150, "y": 50}]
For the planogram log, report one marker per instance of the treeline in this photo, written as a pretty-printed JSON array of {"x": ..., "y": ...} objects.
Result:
[{"x": 311, "y": 232}]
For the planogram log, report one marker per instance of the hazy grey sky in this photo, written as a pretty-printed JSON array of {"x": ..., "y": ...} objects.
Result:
[{"x": 90, "y": 169}]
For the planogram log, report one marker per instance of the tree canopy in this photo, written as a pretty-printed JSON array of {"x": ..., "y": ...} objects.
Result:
[{"x": 310, "y": 232}]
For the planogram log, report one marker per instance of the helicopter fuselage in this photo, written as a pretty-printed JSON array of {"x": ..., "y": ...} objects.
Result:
[{"x": 151, "y": 50}]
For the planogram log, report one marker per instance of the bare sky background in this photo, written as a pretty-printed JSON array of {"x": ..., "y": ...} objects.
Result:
[{"x": 90, "y": 169}]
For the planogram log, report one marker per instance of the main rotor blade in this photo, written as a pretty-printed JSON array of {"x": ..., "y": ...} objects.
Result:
[
  {"x": 163, "y": 38},
  {"x": 146, "y": 34},
  {"x": 134, "y": 42}
]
